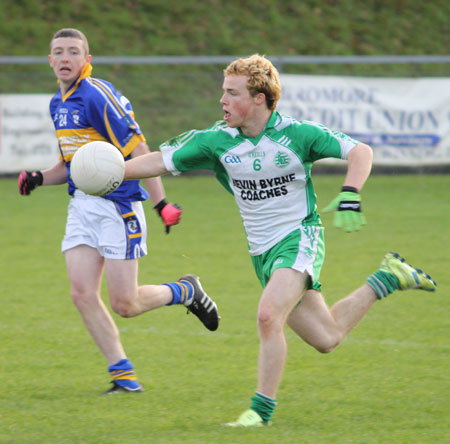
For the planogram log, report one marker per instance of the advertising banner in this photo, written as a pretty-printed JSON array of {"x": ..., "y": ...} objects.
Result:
[
  {"x": 405, "y": 121},
  {"x": 27, "y": 134}
]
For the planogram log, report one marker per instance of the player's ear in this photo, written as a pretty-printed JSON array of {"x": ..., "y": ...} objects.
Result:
[
  {"x": 89, "y": 58},
  {"x": 260, "y": 98}
]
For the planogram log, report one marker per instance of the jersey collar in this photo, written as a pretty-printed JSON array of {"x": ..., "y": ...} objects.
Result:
[
  {"x": 85, "y": 72},
  {"x": 273, "y": 120}
]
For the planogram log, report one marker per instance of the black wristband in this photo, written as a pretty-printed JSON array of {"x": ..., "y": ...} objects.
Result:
[
  {"x": 350, "y": 189},
  {"x": 158, "y": 207},
  {"x": 40, "y": 177}
]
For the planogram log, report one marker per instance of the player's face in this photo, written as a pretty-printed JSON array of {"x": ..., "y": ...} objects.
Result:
[
  {"x": 237, "y": 103},
  {"x": 67, "y": 58}
]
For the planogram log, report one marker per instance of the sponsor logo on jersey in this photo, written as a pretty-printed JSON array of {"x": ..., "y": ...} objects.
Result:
[
  {"x": 268, "y": 188},
  {"x": 281, "y": 160},
  {"x": 232, "y": 159},
  {"x": 257, "y": 154}
]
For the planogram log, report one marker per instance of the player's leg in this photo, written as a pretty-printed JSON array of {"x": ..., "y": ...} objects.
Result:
[
  {"x": 85, "y": 269},
  {"x": 126, "y": 297},
  {"x": 129, "y": 300},
  {"x": 325, "y": 328},
  {"x": 284, "y": 272},
  {"x": 88, "y": 221},
  {"x": 122, "y": 243},
  {"x": 279, "y": 297},
  {"x": 281, "y": 294}
]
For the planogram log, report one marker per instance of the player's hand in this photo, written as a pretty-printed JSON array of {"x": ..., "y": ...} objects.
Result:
[
  {"x": 28, "y": 181},
  {"x": 347, "y": 205},
  {"x": 169, "y": 213}
]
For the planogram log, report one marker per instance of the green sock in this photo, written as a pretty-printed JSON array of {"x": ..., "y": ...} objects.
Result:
[
  {"x": 383, "y": 283},
  {"x": 264, "y": 406}
]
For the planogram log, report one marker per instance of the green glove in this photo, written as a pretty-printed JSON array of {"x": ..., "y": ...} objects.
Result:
[{"x": 348, "y": 205}]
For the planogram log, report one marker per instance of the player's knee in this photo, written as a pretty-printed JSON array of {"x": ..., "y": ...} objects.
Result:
[
  {"x": 82, "y": 299},
  {"x": 325, "y": 348},
  {"x": 123, "y": 308},
  {"x": 268, "y": 321},
  {"x": 328, "y": 344}
]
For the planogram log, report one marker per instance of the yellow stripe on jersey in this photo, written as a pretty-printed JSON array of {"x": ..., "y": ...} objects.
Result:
[
  {"x": 134, "y": 236},
  {"x": 111, "y": 134},
  {"x": 130, "y": 214},
  {"x": 132, "y": 143},
  {"x": 72, "y": 139},
  {"x": 117, "y": 105}
]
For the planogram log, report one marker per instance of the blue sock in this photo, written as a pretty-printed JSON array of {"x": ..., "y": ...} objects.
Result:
[
  {"x": 181, "y": 291},
  {"x": 123, "y": 374}
]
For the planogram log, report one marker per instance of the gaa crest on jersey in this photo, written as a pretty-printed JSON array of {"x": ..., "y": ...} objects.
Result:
[
  {"x": 76, "y": 117},
  {"x": 132, "y": 226},
  {"x": 281, "y": 159},
  {"x": 232, "y": 159}
]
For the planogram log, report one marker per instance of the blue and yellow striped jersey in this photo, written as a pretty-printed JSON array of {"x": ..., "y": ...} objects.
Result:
[{"x": 92, "y": 109}]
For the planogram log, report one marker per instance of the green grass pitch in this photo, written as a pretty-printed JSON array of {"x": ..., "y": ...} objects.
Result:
[{"x": 387, "y": 383}]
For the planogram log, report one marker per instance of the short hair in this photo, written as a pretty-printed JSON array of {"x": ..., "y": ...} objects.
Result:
[
  {"x": 262, "y": 76},
  {"x": 71, "y": 33}
]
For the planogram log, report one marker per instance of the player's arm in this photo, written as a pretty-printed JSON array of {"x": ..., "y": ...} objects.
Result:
[
  {"x": 154, "y": 184},
  {"x": 359, "y": 166},
  {"x": 169, "y": 213},
  {"x": 29, "y": 180},
  {"x": 347, "y": 204},
  {"x": 147, "y": 165}
]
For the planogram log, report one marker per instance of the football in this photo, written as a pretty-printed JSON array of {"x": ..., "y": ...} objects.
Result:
[{"x": 97, "y": 168}]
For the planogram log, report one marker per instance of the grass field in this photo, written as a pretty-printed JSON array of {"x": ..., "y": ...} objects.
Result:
[{"x": 387, "y": 383}]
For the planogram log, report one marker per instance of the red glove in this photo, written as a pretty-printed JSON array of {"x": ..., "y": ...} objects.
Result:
[
  {"x": 28, "y": 181},
  {"x": 169, "y": 213}
]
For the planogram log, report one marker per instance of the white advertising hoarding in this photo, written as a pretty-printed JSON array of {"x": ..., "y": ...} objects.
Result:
[
  {"x": 405, "y": 121},
  {"x": 27, "y": 134}
]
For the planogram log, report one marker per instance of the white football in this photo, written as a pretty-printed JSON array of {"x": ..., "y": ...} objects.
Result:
[{"x": 97, "y": 168}]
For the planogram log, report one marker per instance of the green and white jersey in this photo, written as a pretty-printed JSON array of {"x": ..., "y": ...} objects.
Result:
[{"x": 269, "y": 176}]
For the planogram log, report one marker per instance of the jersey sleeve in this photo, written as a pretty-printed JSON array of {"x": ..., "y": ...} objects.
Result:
[
  {"x": 188, "y": 151},
  {"x": 111, "y": 114},
  {"x": 322, "y": 142}
]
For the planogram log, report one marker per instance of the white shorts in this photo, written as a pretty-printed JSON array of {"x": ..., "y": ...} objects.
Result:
[{"x": 116, "y": 230}]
